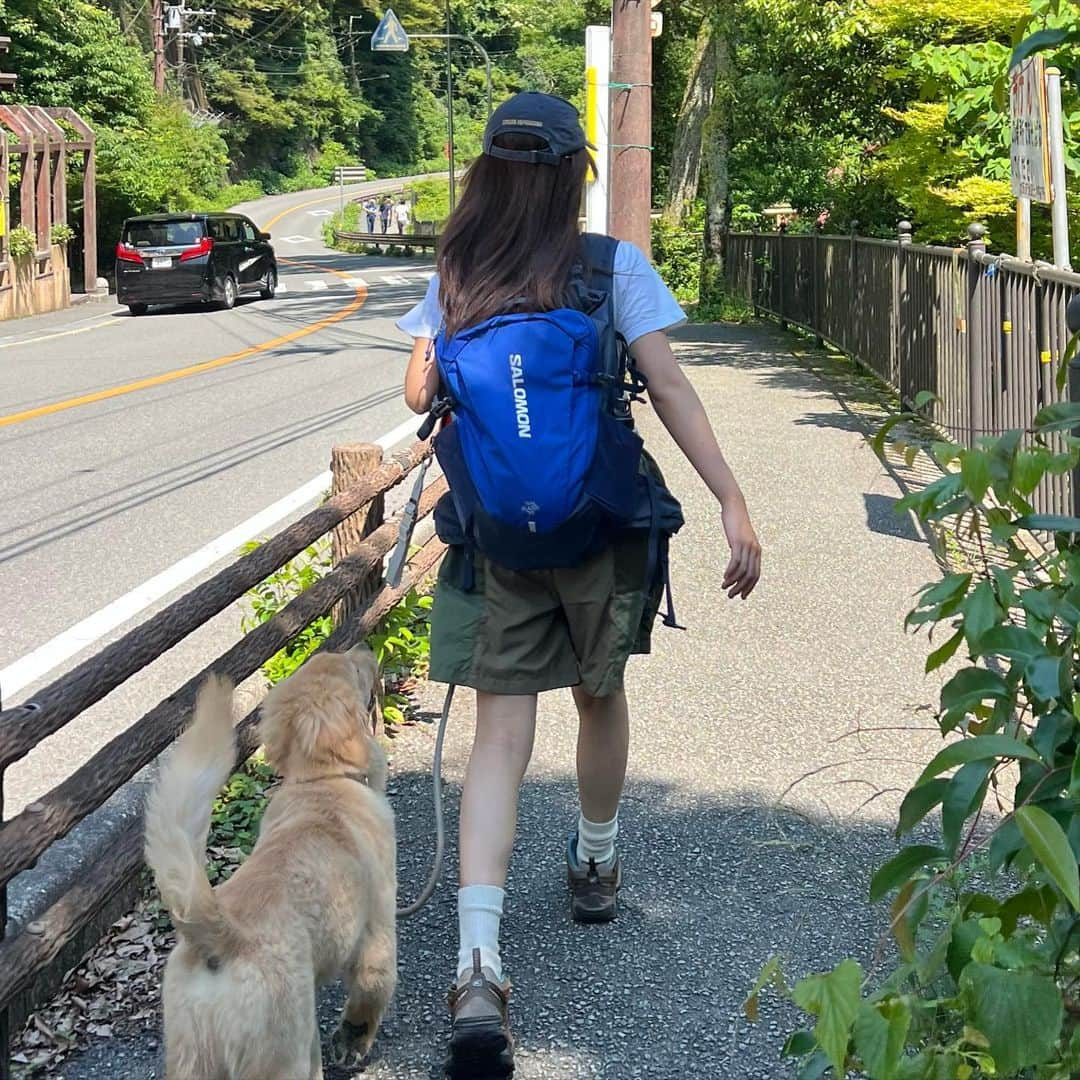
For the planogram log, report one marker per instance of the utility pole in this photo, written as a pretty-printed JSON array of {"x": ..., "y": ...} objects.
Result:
[
  {"x": 631, "y": 123},
  {"x": 156, "y": 15},
  {"x": 176, "y": 23}
]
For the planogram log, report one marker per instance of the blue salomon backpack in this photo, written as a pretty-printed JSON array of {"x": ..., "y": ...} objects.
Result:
[{"x": 544, "y": 466}]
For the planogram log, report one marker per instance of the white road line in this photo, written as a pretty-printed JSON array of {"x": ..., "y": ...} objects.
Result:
[
  {"x": 316, "y": 286},
  {"x": 356, "y": 283},
  {"x": 320, "y": 213},
  {"x": 395, "y": 279},
  {"x": 31, "y": 667},
  {"x": 281, "y": 288},
  {"x": 296, "y": 239}
]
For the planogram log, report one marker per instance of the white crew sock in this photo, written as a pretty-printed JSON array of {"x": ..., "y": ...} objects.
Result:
[
  {"x": 480, "y": 909},
  {"x": 596, "y": 840}
]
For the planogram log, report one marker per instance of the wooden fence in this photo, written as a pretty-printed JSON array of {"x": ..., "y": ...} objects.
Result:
[{"x": 353, "y": 589}]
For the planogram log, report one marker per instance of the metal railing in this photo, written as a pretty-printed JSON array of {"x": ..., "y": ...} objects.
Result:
[
  {"x": 984, "y": 333},
  {"x": 353, "y": 589},
  {"x": 386, "y": 239}
]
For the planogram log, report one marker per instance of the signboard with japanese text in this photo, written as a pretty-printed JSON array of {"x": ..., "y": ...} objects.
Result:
[{"x": 1030, "y": 143}]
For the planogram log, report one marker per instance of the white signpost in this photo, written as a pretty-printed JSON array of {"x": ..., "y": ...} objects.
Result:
[
  {"x": 1030, "y": 149},
  {"x": 1037, "y": 153},
  {"x": 597, "y": 97}
]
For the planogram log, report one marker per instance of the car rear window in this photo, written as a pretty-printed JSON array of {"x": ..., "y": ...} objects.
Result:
[{"x": 182, "y": 233}]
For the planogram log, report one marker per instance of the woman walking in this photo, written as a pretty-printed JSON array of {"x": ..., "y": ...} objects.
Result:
[{"x": 516, "y": 283}]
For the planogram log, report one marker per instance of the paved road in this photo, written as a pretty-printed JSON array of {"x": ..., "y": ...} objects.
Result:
[
  {"x": 100, "y": 496},
  {"x": 729, "y": 856}
]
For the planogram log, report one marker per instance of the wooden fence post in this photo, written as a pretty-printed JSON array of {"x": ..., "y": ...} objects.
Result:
[{"x": 351, "y": 464}]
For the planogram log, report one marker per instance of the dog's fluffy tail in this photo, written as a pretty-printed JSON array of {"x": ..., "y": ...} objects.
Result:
[{"x": 178, "y": 821}]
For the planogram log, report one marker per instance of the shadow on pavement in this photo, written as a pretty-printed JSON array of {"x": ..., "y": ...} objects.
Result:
[{"x": 713, "y": 888}]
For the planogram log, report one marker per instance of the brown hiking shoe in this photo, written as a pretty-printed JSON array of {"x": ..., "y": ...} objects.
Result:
[
  {"x": 481, "y": 1047},
  {"x": 594, "y": 889}
]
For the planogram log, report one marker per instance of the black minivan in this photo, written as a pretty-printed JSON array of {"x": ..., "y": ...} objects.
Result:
[{"x": 185, "y": 258}]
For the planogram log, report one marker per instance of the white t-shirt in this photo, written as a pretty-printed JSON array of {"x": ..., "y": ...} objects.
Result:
[
  {"x": 401, "y": 213},
  {"x": 643, "y": 303}
]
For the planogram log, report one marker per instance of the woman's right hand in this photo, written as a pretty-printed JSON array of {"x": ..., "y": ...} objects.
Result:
[{"x": 744, "y": 567}]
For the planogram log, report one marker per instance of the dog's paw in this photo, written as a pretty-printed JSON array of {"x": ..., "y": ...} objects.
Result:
[{"x": 350, "y": 1043}]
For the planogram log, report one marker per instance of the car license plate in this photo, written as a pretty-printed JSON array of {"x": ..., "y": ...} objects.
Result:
[{"x": 161, "y": 263}]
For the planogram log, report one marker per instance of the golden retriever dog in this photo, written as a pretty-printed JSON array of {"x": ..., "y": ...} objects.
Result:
[{"x": 315, "y": 899}]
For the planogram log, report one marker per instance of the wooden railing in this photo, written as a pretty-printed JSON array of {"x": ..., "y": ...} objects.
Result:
[{"x": 353, "y": 588}]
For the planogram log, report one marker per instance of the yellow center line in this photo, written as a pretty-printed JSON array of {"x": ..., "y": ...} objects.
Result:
[
  {"x": 350, "y": 308},
  {"x": 300, "y": 206}
]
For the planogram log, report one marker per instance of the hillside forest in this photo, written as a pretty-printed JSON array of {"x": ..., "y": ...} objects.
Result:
[{"x": 857, "y": 112}]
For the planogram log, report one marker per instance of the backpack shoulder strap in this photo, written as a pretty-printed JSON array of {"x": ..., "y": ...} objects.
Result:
[{"x": 599, "y": 251}]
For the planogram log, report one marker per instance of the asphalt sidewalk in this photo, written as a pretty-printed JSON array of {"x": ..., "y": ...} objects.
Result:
[{"x": 759, "y": 798}]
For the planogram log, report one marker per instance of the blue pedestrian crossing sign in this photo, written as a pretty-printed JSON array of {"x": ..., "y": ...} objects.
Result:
[{"x": 389, "y": 35}]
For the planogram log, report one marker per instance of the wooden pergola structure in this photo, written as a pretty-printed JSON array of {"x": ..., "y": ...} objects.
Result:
[{"x": 43, "y": 143}]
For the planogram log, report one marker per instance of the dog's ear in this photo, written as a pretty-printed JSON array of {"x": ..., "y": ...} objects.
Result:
[{"x": 367, "y": 672}]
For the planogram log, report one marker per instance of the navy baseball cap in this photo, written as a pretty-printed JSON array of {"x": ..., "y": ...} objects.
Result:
[{"x": 550, "y": 118}]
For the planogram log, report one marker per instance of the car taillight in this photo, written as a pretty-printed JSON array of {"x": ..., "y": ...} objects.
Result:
[
  {"x": 203, "y": 247},
  {"x": 126, "y": 253}
]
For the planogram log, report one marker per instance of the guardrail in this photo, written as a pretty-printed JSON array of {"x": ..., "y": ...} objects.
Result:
[
  {"x": 982, "y": 332},
  {"x": 387, "y": 239},
  {"x": 353, "y": 588}
]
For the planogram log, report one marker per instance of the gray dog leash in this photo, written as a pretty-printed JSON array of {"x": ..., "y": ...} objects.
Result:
[{"x": 440, "y": 826}]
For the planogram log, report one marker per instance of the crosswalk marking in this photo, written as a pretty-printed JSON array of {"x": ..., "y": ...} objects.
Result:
[
  {"x": 295, "y": 239},
  {"x": 320, "y": 213},
  {"x": 356, "y": 283},
  {"x": 395, "y": 279},
  {"x": 316, "y": 286},
  {"x": 282, "y": 288}
]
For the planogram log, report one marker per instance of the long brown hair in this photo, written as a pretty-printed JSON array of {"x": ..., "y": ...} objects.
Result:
[{"x": 513, "y": 238}]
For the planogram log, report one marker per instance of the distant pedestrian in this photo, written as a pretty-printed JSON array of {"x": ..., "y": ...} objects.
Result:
[
  {"x": 385, "y": 207},
  {"x": 401, "y": 215},
  {"x": 371, "y": 208}
]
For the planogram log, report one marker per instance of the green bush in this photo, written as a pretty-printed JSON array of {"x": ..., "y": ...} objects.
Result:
[
  {"x": 987, "y": 982},
  {"x": 431, "y": 200},
  {"x": 273, "y": 593},
  {"x": 677, "y": 253},
  {"x": 233, "y": 194},
  {"x": 400, "y": 643},
  {"x": 234, "y": 821},
  {"x": 22, "y": 243},
  {"x": 61, "y": 233}
]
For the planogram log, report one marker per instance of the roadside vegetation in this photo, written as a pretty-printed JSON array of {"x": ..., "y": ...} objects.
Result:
[
  {"x": 983, "y": 977},
  {"x": 857, "y": 112}
]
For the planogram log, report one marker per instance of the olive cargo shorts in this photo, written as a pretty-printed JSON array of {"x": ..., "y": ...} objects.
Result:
[{"x": 521, "y": 633}]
